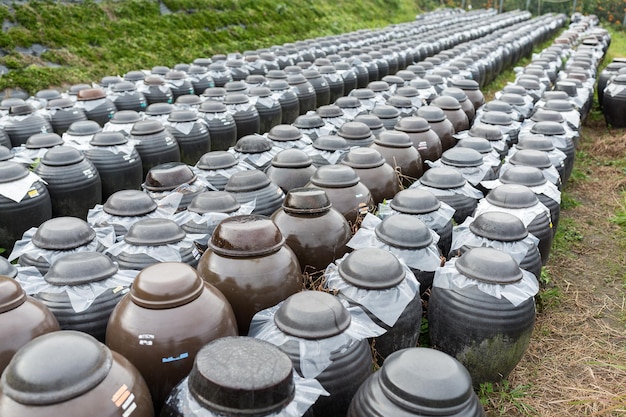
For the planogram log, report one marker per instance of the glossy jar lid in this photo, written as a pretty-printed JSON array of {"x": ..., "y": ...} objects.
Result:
[
  {"x": 432, "y": 114},
  {"x": 80, "y": 364},
  {"x": 415, "y": 201},
  {"x": 394, "y": 139},
  {"x": 84, "y": 128},
  {"x": 481, "y": 145},
  {"x": 284, "y": 133},
  {"x": 412, "y": 125},
  {"x": 496, "y": 118},
  {"x": 246, "y": 236},
  {"x": 512, "y": 196},
  {"x": 80, "y": 268},
  {"x": 214, "y": 202},
  {"x": 559, "y": 105},
  {"x": 291, "y": 158},
  {"x": 331, "y": 143},
  {"x": 241, "y": 376},
  {"x": 404, "y": 231},
  {"x": 182, "y": 116},
  {"x": 540, "y": 143},
  {"x": 498, "y": 105},
  {"x": 168, "y": 176},
  {"x": 306, "y": 201},
  {"x": 12, "y": 295},
  {"x": 215, "y": 160},
  {"x": 421, "y": 380},
  {"x": 442, "y": 178},
  {"x": 372, "y": 269},
  {"x": 129, "y": 203},
  {"x": 166, "y": 285},
  {"x": 11, "y": 171},
  {"x": 462, "y": 157},
  {"x": 547, "y": 128},
  {"x": 544, "y": 115},
  {"x": 7, "y": 269},
  {"x": 159, "y": 109},
  {"x": 489, "y": 132},
  {"x": 60, "y": 103},
  {"x": 147, "y": 127},
  {"x": 490, "y": 266},
  {"x": 246, "y": 181},
  {"x": 43, "y": 140},
  {"x": 88, "y": 94},
  {"x": 312, "y": 315},
  {"x": 363, "y": 158},
  {"x": 108, "y": 139},
  {"x": 63, "y": 233},
  {"x": 371, "y": 120},
  {"x": 308, "y": 121},
  {"x": 253, "y": 144},
  {"x": 354, "y": 131},
  {"x": 329, "y": 110},
  {"x": 446, "y": 103},
  {"x": 500, "y": 226},
  {"x": 531, "y": 157},
  {"x": 154, "y": 232},
  {"x": 335, "y": 176}
]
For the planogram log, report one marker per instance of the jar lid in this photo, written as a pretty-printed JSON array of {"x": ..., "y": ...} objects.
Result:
[
  {"x": 393, "y": 80},
  {"x": 394, "y": 139},
  {"x": 498, "y": 105},
  {"x": 80, "y": 268},
  {"x": 400, "y": 102},
  {"x": 354, "y": 131},
  {"x": 11, "y": 171},
  {"x": 421, "y": 84},
  {"x": 63, "y": 233},
  {"x": 134, "y": 75},
  {"x": 80, "y": 364},
  {"x": 284, "y": 133},
  {"x": 501, "y": 226},
  {"x": 330, "y": 143},
  {"x": 312, "y": 315},
  {"x": 559, "y": 105},
  {"x": 109, "y": 80},
  {"x": 423, "y": 380},
  {"x": 12, "y": 295},
  {"x": 88, "y": 94},
  {"x": 129, "y": 203},
  {"x": 408, "y": 91},
  {"x": 462, "y": 157},
  {"x": 147, "y": 127},
  {"x": 442, "y": 178},
  {"x": 404, "y": 231},
  {"x": 7, "y": 269},
  {"x": 513, "y": 99},
  {"x": 260, "y": 92},
  {"x": 168, "y": 176},
  {"x": 432, "y": 114},
  {"x": 48, "y": 94},
  {"x": 489, "y": 265},
  {"x": 154, "y": 79},
  {"x": 496, "y": 118},
  {"x": 306, "y": 201},
  {"x": 363, "y": 158},
  {"x": 434, "y": 79},
  {"x": 213, "y": 92},
  {"x": 529, "y": 176},
  {"x": 214, "y": 202},
  {"x": 246, "y": 236},
  {"x": 371, "y": 120},
  {"x": 335, "y": 176},
  {"x": 489, "y": 132},
  {"x": 84, "y": 128},
  {"x": 378, "y": 86},
  {"x": 43, "y": 140},
  {"x": 215, "y": 160},
  {"x": 159, "y": 109},
  {"x": 108, "y": 139},
  {"x": 174, "y": 75},
  {"x": 166, "y": 285},
  {"x": 277, "y": 84},
  {"x": 446, "y": 102},
  {"x": 291, "y": 158},
  {"x": 327, "y": 69},
  {"x": 295, "y": 79},
  {"x": 531, "y": 157},
  {"x": 481, "y": 145},
  {"x": 362, "y": 93},
  {"x": 235, "y": 87},
  {"x": 5, "y": 153},
  {"x": 512, "y": 196},
  {"x": 311, "y": 74},
  {"x": 329, "y": 110},
  {"x": 455, "y": 92},
  {"x": 545, "y": 115},
  {"x": 75, "y": 88},
  {"x": 154, "y": 232},
  {"x": 246, "y": 181},
  {"x": 308, "y": 121},
  {"x": 547, "y": 128},
  {"x": 182, "y": 116},
  {"x": 372, "y": 269},
  {"x": 385, "y": 111},
  {"x": 123, "y": 86},
  {"x": 125, "y": 117},
  {"x": 236, "y": 98},
  {"x": 412, "y": 125},
  {"x": 254, "y": 143},
  {"x": 554, "y": 95},
  {"x": 415, "y": 201},
  {"x": 540, "y": 143},
  {"x": 528, "y": 83},
  {"x": 60, "y": 103},
  {"x": 240, "y": 375}
]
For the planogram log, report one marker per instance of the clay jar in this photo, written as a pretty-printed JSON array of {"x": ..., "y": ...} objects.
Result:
[
  {"x": 356, "y": 134},
  {"x": 472, "y": 90},
  {"x": 216, "y": 167},
  {"x": 453, "y": 111},
  {"x": 291, "y": 168},
  {"x": 124, "y": 208},
  {"x": 84, "y": 375},
  {"x": 440, "y": 124},
  {"x": 221, "y": 125},
  {"x": 344, "y": 189},
  {"x": 397, "y": 149},
  {"x": 417, "y": 382},
  {"x": 63, "y": 113},
  {"x": 96, "y": 105},
  {"x": 173, "y": 177},
  {"x": 377, "y": 175},
  {"x": 313, "y": 229},
  {"x": 22, "y": 122},
  {"x": 248, "y": 261},
  {"x": 191, "y": 135},
  {"x": 22, "y": 318},
  {"x": 424, "y": 139},
  {"x": 168, "y": 316},
  {"x": 251, "y": 185},
  {"x": 154, "y": 143}
]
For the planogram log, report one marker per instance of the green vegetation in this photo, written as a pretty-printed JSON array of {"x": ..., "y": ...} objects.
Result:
[{"x": 503, "y": 397}]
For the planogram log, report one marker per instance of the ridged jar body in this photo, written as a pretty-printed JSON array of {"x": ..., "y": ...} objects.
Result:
[
  {"x": 351, "y": 202},
  {"x": 407, "y": 160},
  {"x": 223, "y": 131},
  {"x": 192, "y": 144},
  {"x": 63, "y": 118},
  {"x": 20, "y": 129},
  {"x": 428, "y": 145},
  {"x": 382, "y": 181},
  {"x": 156, "y": 149},
  {"x": 117, "y": 171}
]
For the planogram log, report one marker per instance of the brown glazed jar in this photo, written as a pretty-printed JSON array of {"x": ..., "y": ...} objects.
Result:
[
  {"x": 22, "y": 318},
  {"x": 313, "y": 229},
  {"x": 85, "y": 378},
  {"x": 424, "y": 139},
  {"x": 291, "y": 168},
  {"x": 453, "y": 111},
  {"x": 167, "y": 317},
  {"x": 377, "y": 175},
  {"x": 397, "y": 149},
  {"x": 440, "y": 124},
  {"x": 248, "y": 261}
]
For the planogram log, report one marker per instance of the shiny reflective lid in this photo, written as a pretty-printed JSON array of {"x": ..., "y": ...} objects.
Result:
[
  {"x": 363, "y": 158},
  {"x": 490, "y": 266},
  {"x": 12, "y": 295},
  {"x": 372, "y": 269},
  {"x": 168, "y": 176},
  {"x": 166, "y": 285},
  {"x": 215, "y": 160},
  {"x": 80, "y": 268},
  {"x": 513, "y": 196},
  {"x": 63, "y": 233},
  {"x": 62, "y": 156},
  {"x": 246, "y": 236},
  {"x": 306, "y": 201},
  {"x": 11, "y": 171}
]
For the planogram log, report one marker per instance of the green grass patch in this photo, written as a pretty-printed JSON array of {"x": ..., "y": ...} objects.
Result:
[{"x": 502, "y": 397}]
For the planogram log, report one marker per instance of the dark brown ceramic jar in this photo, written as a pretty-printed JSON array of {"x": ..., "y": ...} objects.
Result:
[
  {"x": 173, "y": 177},
  {"x": 440, "y": 124},
  {"x": 377, "y": 175},
  {"x": 291, "y": 168},
  {"x": 22, "y": 318},
  {"x": 424, "y": 139},
  {"x": 453, "y": 111},
  {"x": 168, "y": 316},
  {"x": 84, "y": 375},
  {"x": 248, "y": 261},
  {"x": 397, "y": 149},
  {"x": 313, "y": 229}
]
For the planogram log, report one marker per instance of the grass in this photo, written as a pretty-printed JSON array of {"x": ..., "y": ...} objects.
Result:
[{"x": 503, "y": 397}]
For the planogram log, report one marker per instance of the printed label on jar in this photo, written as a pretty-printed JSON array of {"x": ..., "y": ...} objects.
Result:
[
  {"x": 125, "y": 400},
  {"x": 146, "y": 339}
]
